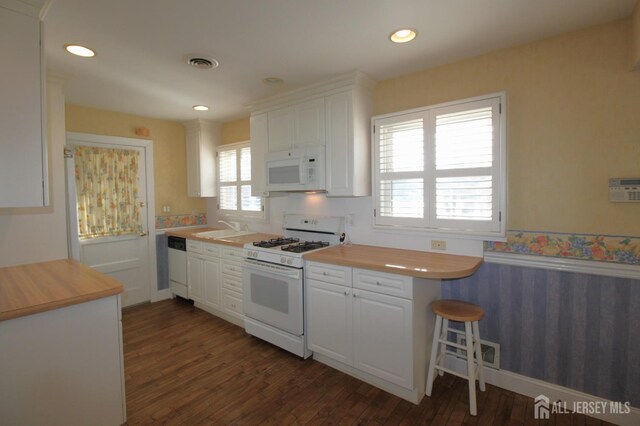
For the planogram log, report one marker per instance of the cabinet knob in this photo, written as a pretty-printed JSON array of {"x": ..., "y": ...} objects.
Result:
[
  {"x": 377, "y": 282},
  {"x": 325, "y": 274},
  {"x": 346, "y": 292},
  {"x": 355, "y": 295}
]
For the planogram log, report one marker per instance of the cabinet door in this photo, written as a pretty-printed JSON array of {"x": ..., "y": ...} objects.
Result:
[
  {"x": 339, "y": 128},
  {"x": 193, "y": 163},
  {"x": 211, "y": 280},
  {"x": 259, "y": 146},
  {"x": 329, "y": 320},
  {"x": 281, "y": 129},
  {"x": 195, "y": 278},
  {"x": 382, "y": 337},
  {"x": 23, "y": 177},
  {"x": 309, "y": 123}
]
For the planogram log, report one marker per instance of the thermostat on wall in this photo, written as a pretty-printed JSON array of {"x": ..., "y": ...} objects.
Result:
[{"x": 624, "y": 190}]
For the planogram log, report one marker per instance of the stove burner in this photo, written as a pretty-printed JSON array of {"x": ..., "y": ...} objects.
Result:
[
  {"x": 305, "y": 246},
  {"x": 275, "y": 242}
]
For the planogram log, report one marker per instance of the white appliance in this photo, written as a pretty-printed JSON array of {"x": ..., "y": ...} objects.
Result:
[
  {"x": 274, "y": 280},
  {"x": 300, "y": 169},
  {"x": 178, "y": 266}
]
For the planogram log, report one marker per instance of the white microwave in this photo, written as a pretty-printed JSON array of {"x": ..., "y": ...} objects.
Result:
[{"x": 300, "y": 169}]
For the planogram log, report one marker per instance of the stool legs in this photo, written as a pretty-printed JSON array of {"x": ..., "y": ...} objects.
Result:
[
  {"x": 474, "y": 363},
  {"x": 470, "y": 368},
  {"x": 434, "y": 354},
  {"x": 476, "y": 338}
]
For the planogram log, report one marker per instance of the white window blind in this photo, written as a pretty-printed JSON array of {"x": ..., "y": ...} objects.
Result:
[
  {"x": 441, "y": 167},
  {"x": 234, "y": 182}
]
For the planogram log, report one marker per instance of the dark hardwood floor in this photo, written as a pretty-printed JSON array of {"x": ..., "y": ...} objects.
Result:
[{"x": 185, "y": 366}]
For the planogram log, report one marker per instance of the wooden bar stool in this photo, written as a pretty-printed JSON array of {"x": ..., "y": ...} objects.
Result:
[{"x": 469, "y": 314}]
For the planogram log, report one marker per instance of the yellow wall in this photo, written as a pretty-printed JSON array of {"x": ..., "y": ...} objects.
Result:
[
  {"x": 635, "y": 37},
  {"x": 235, "y": 131},
  {"x": 573, "y": 123},
  {"x": 169, "y": 151}
]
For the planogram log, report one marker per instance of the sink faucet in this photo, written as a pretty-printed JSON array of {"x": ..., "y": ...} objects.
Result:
[{"x": 233, "y": 225}]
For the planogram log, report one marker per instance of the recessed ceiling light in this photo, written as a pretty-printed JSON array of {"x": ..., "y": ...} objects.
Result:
[
  {"x": 403, "y": 35},
  {"x": 201, "y": 108},
  {"x": 79, "y": 50},
  {"x": 272, "y": 81}
]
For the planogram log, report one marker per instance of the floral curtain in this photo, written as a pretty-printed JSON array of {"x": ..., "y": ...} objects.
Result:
[{"x": 107, "y": 191}]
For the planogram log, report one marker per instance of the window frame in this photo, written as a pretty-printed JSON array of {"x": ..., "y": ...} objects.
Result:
[
  {"x": 238, "y": 183},
  {"x": 429, "y": 224}
]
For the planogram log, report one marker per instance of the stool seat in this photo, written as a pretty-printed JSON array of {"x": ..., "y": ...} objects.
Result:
[{"x": 457, "y": 310}]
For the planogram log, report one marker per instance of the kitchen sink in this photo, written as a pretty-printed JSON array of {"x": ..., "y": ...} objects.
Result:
[{"x": 222, "y": 233}]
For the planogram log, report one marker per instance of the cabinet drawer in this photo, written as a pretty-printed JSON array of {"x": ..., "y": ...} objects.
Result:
[
  {"x": 381, "y": 282},
  {"x": 329, "y": 273},
  {"x": 234, "y": 269},
  {"x": 194, "y": 246},
  {"x": 233, "y": 254},
  {"x": 232, "y": 282},
  {"x": 232, "y": 303},
  {"x": 210, "y": 249}
]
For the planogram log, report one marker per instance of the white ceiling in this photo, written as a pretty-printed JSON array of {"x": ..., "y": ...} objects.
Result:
[{"x": 140, "y": 44}]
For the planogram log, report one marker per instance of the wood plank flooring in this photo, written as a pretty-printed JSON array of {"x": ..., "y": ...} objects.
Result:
[{"x": 185, "y": 366}]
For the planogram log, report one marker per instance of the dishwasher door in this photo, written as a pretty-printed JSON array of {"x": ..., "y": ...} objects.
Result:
[{"x": 178, "y": 267}]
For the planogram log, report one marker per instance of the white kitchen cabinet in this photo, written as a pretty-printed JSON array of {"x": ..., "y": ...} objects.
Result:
[
  {"x": 297, "y": 126},
  {"x": 259, "y": 147},
  {"x": 373, "y": 325},
  {"x": 334, "y": 115},
  {"x": 383, "y": 336},
  {"x": 203, "y": 273},
  {"x": 329, "y": 327},
  {"x": 214, "y": 276},
  {"x": 64, "y": 366},
  {"x": 202, "y": 139},
  {"x": 195, "y": 277},
  {"x": 348, "y": 154},
  {"x": 23, "y": 163}
]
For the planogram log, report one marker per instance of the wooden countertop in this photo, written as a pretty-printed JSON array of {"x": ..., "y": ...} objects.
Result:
[
  {"x": 231, "y": 241},
  {"x": 40, "y": 287},
  {"x": 398, "y": 261}
]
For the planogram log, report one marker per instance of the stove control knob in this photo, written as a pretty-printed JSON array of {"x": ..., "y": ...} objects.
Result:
[
  {"x": 289, "y": 261},
  {"x": 283, "y": 260}
]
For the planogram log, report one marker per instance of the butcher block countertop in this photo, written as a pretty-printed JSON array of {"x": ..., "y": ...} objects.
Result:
[
  {"x": 399, "y": 261},
  {"x": 39, "y": 287},
  {"x": 230, "y": 241}
]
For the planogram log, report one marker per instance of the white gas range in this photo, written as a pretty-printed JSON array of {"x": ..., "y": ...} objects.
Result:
[{"x": 274, "y": 279}]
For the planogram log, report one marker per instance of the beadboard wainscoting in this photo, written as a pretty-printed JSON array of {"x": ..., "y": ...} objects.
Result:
[{"x": 572, "y": 329}]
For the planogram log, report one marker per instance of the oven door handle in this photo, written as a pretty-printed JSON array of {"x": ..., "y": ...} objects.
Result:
[{"x": 272, "y": 268}]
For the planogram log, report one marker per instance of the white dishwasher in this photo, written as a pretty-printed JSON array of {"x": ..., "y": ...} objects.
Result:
[{"x": 178, "y": 266}]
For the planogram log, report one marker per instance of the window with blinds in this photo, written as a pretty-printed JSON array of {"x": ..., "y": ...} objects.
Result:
[
  {"x": 234, "y": 182},
  {"x": 441, "y": 168}
]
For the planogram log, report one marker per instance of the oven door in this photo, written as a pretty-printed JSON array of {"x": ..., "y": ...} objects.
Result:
[{"x": 273, "y": 295}]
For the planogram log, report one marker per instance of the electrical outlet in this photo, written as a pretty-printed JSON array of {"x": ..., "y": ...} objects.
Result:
[
  {"x": 166, "y": 209},
  {"x": 490, "y": 351},
  {"x": 438, "y": 245}
]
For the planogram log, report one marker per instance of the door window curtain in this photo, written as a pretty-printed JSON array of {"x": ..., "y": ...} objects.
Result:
[{"x": 107, "y": 191}]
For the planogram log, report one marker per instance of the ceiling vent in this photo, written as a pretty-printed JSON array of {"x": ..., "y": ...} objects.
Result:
[{"x": 200, "y": 61}]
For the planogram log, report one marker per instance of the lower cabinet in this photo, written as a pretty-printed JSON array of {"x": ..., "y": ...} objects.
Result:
[
  {"x": 214, "y": 278},
  {"x": 356, "y": 322}
]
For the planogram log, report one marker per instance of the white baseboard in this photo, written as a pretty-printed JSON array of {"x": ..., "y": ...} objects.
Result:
[
  {"x": 533, "y": 387},
  {"x": 161, "y": 295}
]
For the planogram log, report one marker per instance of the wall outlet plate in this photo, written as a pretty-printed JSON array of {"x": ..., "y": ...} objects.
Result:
[{"x": 438, "y": 245}]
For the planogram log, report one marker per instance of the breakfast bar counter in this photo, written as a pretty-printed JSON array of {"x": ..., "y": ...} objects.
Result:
[{"x": 399, "y": 261}]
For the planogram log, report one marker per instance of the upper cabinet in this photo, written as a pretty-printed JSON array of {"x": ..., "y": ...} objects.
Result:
[
  {"x": 23, "y": 163},
  {"x": 334, "y": 115},
  {"x": 202, "y": 139},
  {"x": 297, "y": 126}
]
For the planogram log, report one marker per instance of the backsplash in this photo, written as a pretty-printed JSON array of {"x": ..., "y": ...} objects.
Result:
[
  {"x": 604, "y": 248},
  {"x": 178, "y": 220}
]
